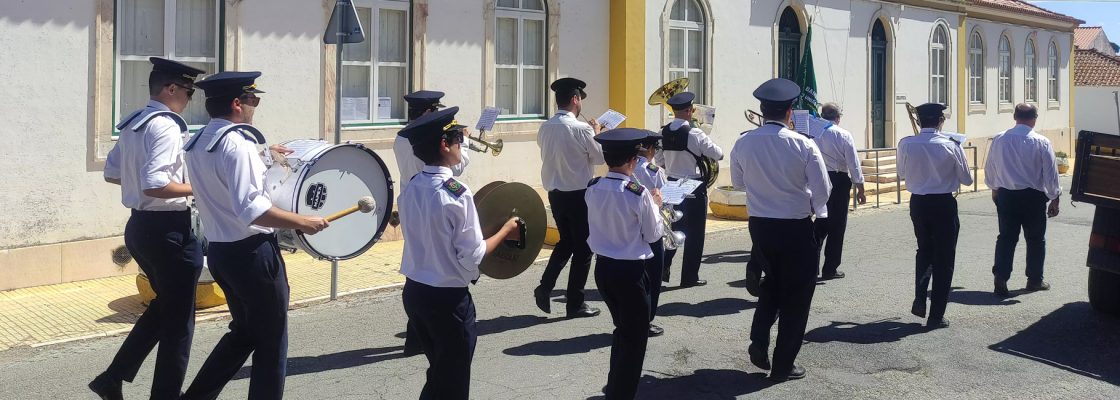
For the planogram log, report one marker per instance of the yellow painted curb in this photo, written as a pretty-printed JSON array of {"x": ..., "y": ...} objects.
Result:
[
  {"x": 724, "y": 211},
  {"x": 207, "y": 294}
]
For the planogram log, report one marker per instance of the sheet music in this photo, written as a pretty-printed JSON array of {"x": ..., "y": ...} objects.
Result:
[
  {"x": 959, "y": 137},
  {"x": 301, "y": 147},
  {"x": 611, "y": 119},
  {"x": 817, "y": 126},
  {"x": 801, "y": 121},
  {"x": 674, "y": 192},
  {"x": 487, "y": 119}
]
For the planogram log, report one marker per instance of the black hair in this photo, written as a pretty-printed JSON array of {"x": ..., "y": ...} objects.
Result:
[
  {"x": 157, "y": 80},
  {"x": 428, "y": 150},
  {"x": 1025, "y": 112},
  {"x": 417, "y": 112},
  {"x": 775, "y": 110},
  {"x": 220, "y": 106},
  {"x": 930, "y": 121},
  {"x": 617, "y": 156},
  {"x": 564, "y": 97}
]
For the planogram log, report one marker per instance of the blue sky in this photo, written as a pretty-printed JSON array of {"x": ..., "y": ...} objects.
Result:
[{"x": 1104, "y": 13}]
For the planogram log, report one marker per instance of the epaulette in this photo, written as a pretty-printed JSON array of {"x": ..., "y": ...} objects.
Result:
[
  {"x": 129, "y": 118},
  {"x": 593, "y": 181},
  {"x": 652, "y": 168},
  {"x": 635, "y": 188},
  {"x": 454, "y": 187},
  {"x": 170, "y": 114}
]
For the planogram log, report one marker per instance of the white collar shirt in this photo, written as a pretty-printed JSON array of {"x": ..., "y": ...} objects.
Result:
[
  {"x": 409, "y": 165},
  {"x": 782, "y": 173},
  {"x": 622, "y": 220},
  {"x": 1019, "y": 158},
  {"x": 932, "y": 163},
  {"x": 568, "y": 152},
  {"x": 228, "y": 184},
  {"x": 839, "y": 152},
  {"x": 443, "y": 243},
  {"x": 649, "y": 175},
  {"x": 150, "y": 158},
  {"x": 681, "y": 164}
]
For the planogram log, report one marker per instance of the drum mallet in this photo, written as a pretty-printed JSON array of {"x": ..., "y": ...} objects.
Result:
[{"x": 365, "y": 205}]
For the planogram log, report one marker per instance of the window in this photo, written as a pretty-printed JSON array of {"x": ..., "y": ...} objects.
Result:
[
  {"x": 375, "y": 72},
  {"x": 686, "y": 45},
  {"x": 519, "y": 46},
  {"x": 1030, "y": 73},
  {"x": 789, "y": 44},
  {"x": 939, "y": 66},
  {"x": 1004, "y": 70},
  {"x": 1052, "y": 69},
  {"x": 976, "y": 69},
  {"x": 180, "y": 30}
]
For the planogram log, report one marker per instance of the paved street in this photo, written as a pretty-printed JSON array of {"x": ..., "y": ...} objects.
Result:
[{"x": 862, "y": 341}]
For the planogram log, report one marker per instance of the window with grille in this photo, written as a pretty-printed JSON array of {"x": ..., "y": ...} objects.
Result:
[
  {"x": 375, "y": 73},
  {"x": 976, "y": 69},
  {"x": 789, "y": 44},
  {"x": 939, "y": 66},
  {"x": 1004, "y": 70},
  {"x": 1052, "y": 70},
  {"x": 519, "y": 46},
  {"x": 686, "y": 45},
  {"x": 1030, "y": 73}
]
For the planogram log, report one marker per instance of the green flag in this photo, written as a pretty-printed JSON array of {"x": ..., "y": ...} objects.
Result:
[{"x": 807, "y": 78}]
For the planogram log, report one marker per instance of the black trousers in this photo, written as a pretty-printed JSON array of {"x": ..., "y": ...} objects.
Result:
[
  {"x": 569, "y": 210},
  {"x": 623, "y": 284},
  {"x": 171, "y": 257},
  {"x": 830, "y": 231},
  {"x": 1021, "y": 210},
  {"x": 695, "y": 210},
  {"x": 444, "y": 321},
  {"x": 252, "y": 275},
  {"x": 654, "y": 268},
  {"x": 936, "y": 226},
  {"x": 789, "y": 250}
]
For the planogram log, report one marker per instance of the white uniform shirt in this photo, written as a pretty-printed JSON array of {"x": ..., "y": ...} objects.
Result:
[
  {"x": 623, "y": 220},
  {"x": 839, "y": 152},
  {"x": 443, "y": 242},
  {"x": 228, "y": 184},
  {"x": 149, "y": 159},
  {"x": 409, "y": 165},
  {"x": 680, "y": 164},
  {"x": 649, "y": 175},
  {"x": 1020, "y": 158},
  {"x": 568, "y": 152},
  {"x": 782, "y": 172},
  {"x": 932, "y": 163}
]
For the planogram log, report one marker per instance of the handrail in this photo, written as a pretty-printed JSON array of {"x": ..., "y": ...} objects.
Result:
[{"x": 874, "y": 152}]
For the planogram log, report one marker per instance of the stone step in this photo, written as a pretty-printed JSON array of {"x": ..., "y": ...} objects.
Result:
[
  {"x": 882, "y": 153},
  {"x": 883, "y": 178},
  {"x": 882, "y": 168},
  {"x": 869, "y": 188},
  {"x": 883, "y": 160}
]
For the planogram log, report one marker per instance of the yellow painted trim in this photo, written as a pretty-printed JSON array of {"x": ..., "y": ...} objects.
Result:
[
  {"x": 627, "y": 73},
  {"x": 1069, "y": 89},
  {"x": 962, "y": 81}
]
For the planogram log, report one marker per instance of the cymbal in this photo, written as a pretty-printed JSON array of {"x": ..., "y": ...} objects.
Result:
[
  {"x": 495, "y": 206},
  {"x": 480, "y": 193}
]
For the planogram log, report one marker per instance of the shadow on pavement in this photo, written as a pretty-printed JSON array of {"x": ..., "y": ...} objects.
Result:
[
  {"x": 334, "y": 361},
  {"x": 581, "y": 344},
  {"x": 127, "y": 310},
  {"x": 734, "y": 256},
  {"x": 709, "y": 308},
  {"x": 702, "y": 384},
  {"x": 980, "y": 298},
  {"x": 1074, "y": 338},
  {"x": 506, "y": 323},
  {"x": 884, "y": 331}
]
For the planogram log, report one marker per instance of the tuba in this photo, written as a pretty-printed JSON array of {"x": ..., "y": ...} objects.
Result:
[
  {"x": 709, "y": 168},
  {"x": 913, "y": 113}
]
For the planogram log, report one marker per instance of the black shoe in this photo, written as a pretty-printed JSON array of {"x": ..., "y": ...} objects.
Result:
[
  {"x": 1001, "y": 288},
  {"x": 937, "y": 324},
  {"x": 918, "y": 309},
  {"x": 794, "y": 374},
  {"x": 583, "y": 312},
  {"x": 655, "y": 330},
  {"x": 832, "y": 275},
  {"x": 698, "y": 282},
  {"x": 106, "y": 388},
  {"x": 754, "y": 283},
  {"x": 541, "y": 295},
  {"x": 1036, "y": 286},
  {"x": 758, "y": 356}
]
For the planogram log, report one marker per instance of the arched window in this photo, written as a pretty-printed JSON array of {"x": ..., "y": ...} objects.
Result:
[
  {"x": 519, "y": 57},
  {"x": 789, "y": 44},
  {"x": 1052, "y": 71},
  {"x": 976, "y": 69},
  {"x": 686, "y": 45},
  {"x": 375, "y": 72},
  {"x": 939, "y": 66},
  {"x": 1030, "y": 73},
  {"x": 1004, "y": 70}
]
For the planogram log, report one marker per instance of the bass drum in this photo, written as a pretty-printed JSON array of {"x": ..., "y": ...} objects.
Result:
[{"x": 320, "y": 179}]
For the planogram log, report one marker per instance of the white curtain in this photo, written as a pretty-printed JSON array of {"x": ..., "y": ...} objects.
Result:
[
  {"x": 195, "y": 22},
  {"x": 141, "y": 28}
]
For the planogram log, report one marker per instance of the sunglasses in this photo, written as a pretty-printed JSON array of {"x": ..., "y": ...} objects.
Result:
[
  {"x": 251, "y": 101},
  {"x": 189, "y": 89}
]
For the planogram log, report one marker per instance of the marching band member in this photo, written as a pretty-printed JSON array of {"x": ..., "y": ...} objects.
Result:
[
  {"x": 147, "y": 162},
  {"x": 1023, "y": 175},
  {"x": 443, "y": 246},
  {"x": 786, "y": 184},
  {"x": 623, "y": 224},
  {"x": 934, "y": 166},
  {"x": 842, "y": 162},
  {"x": 419, "y": 103},
  {"x": 653, "y": 178},
  {"x": 228, "y": 178},
  {"x": 682, "y": 147},
  {"x": 568, "y": 152}
]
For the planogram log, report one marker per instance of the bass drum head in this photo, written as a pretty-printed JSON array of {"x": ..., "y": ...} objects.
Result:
[{"x": 335, "y": 181}]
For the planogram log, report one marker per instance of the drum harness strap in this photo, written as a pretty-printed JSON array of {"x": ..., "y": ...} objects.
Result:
[{"x": 248, "y": 131}]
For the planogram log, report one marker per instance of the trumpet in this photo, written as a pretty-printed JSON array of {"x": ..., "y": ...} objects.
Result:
[
  {"x": 494, "y": 148},
  {"x": 670, "y": 238}
]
